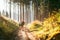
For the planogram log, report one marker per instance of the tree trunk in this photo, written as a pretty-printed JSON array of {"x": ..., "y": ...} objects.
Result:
[
  {"x": 23, "y": 11},
  {"x": 10, "y": 8},
  {"x": 36, "y": 11},
  {"x": 18, "y": 11},
  {"x": 26, "y": 14}
]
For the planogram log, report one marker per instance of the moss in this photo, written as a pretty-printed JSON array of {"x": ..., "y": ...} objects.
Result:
[{"x": 7, "y": 26}]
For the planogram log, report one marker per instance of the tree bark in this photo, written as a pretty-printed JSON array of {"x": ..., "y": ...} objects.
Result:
[
  {"x": 10, "y": 8},
  {"x": 23, "y": 11},
  {"x": 18, "y": 11}
]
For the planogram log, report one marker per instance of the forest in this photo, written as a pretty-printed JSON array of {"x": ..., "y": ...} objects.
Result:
[{"x": 30, "y": 20}]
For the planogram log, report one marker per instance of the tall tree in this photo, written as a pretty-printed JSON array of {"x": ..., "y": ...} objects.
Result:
[
  {"x": 18, "y": 11},
  {"x": 10, "y": 9}
]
